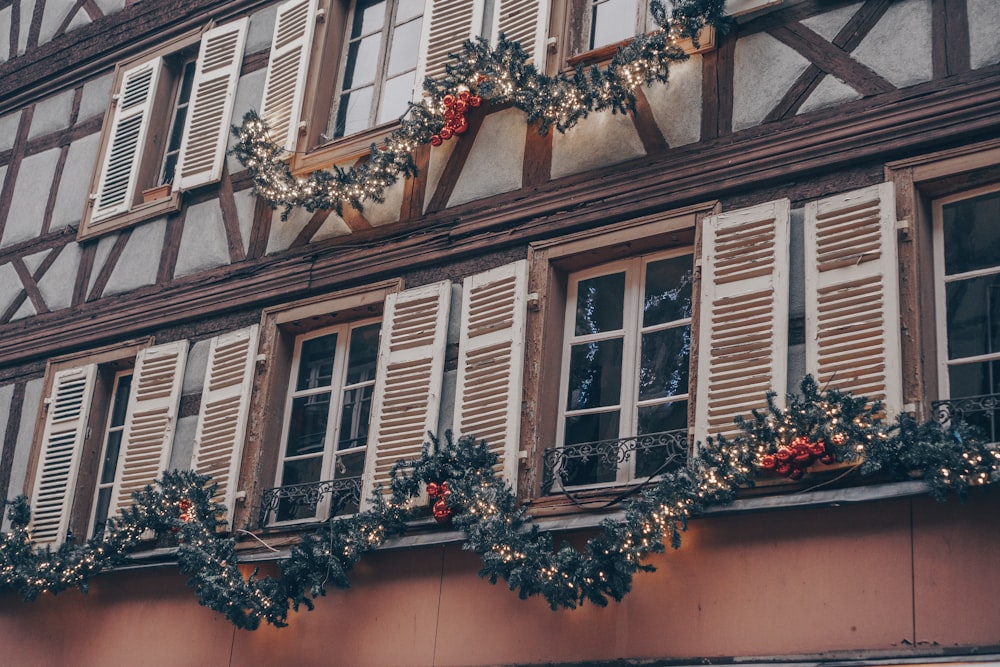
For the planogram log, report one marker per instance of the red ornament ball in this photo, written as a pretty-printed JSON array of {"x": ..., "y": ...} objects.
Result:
[
  {"x": 448, "y": 100},
  {"x": 441, "y": 511},
  {"x": 435, "y": 140},
  {"x": 475, "y": 101},
  {"x": 446, "y": 133}
]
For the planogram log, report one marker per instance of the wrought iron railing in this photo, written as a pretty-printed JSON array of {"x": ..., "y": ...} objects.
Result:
[
  {"x": 300, "y": 501},
  {"x": 982, "y": 412},
  {"x": 597, "y": 462}
]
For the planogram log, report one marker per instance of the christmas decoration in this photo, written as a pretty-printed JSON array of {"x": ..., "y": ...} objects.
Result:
[
  {"x": 501, "y": 75},
  {"x": 439, "y": 507},
  {"x": 825, "y": 426}
]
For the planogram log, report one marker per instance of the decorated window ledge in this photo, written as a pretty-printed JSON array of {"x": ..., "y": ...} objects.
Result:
[{"x": 466, "y": 495}]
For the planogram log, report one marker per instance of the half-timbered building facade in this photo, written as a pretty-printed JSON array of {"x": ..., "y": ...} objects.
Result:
[{"x": 815, "y": 191}]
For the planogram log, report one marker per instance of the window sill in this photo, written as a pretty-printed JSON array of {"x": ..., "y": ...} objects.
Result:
[
  {"x": 139, "y": 213},
  {"x": 604, "y": 54},
  {"x": 344, "y": 149}
]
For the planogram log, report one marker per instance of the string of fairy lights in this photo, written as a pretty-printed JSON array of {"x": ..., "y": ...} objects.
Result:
[
  {"x": 502, "y": 75},
  {"x": 851, "y": 430}
]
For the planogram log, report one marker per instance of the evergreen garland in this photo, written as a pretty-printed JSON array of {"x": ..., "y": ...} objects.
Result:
[
  {"x": 500, "y": 74},
  {"x": 483, "y": 507}
]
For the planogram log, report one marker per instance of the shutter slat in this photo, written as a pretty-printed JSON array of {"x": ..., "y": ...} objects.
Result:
[
  {"x": 408, "y": 380},
  {"x": 852, "y": 294},
  {"x": 129, "y": 128},
  {"x": 149, "y": 420},
  {"x": 491, "y": 361},
  {"x": 743, "y": 328},
  {"x": 225, "y": 405},
  {"x": 447, "y": 24},
  {"x": 284, "y": 84},
  {"x": 59, "y": 458}
]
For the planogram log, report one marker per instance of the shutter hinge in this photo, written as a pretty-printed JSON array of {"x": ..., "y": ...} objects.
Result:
[
  {"x": 552, "y": 44},
  {"x": 321, "y": 15},
  {"x": 910, "y": 407},
  {"x": 240, "y": 495},
  {"x": 260, "y": 358},
  {"x": 903, "y": 224},
  {"x": 534, "y": 303}
]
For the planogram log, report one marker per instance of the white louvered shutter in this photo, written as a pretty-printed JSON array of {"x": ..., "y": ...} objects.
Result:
[
  {"x": 524, "y": 21},
  {"x": 285, "y": 82},
  {"x": 447, "y": 24},
  {"x": 129, "y": 128},
  {"x": 203, "y": 146},
  {"x": 222, "y": 420},
  {"x": 408, "y": 380},
  {"x": 491, "y": 361},
  {"x": 149, "y": 420},
  {"x": 743, "y": 328},
  {"x": 852, "y": 294},
  {"x": 59, "y": 459}
]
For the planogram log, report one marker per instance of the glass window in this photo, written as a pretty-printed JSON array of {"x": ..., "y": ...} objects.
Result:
[
  {"x": 326, "y": 428},
  {"x": 380, "y": 64},
  {"x": 625, "y": 367},
  {"x": 967, "y": 255},
  {"x": 110, "y": 448}
]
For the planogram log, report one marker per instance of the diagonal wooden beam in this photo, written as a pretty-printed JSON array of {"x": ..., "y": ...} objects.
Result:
[
  {"x": 306, "y": 233},
  {"x": 849, "y": 37},
  {"x": 230, "y": 218},
  {"x": 831, "y": 59},
  {"x": 537, "y": 167},
  {"x": 650, "y": 134},
  {"x": 414, "y": 189},
  {"x": 456, "y": 161},
  {"x": 104, "y": 275},
  {"x": 30, "y": 286}
]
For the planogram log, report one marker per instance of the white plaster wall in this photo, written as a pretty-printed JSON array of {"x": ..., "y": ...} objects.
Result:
[
  {"x": 332, "y": 227},
  {"x": 388, "y": 211},
  {"x": 496, "y": 160},
  {"x": 110, "y": 6},
  {"x": 58, "y": 282},
  {"x": 261, "y": 29},
  {"x": 8, "y": 129},
  {"x": 96, "y": 97},
  {"x": 5, "y": 33},
  {"x": 599, "y": 140},
  {"x": 828, "y": 24},
  {"x": 283, "y": 232},
  {"x": 677, "y": 105},
  {"x": 245, "y": 204},
  {"x": 435, "y": 167},
  {"x": 764, "y": 69},
  {"x": 74, "y": 186},
  {"x": 51, "y": 114},
  {"x": 899, "y": 46},
  {"x": 31, "y": 191},
  {"x": 194, "y": 369},
  {"x": 249, "y": 93},
  {"x": 829, "y": 92},
  {"x": 53, "y": 16},
  {"x": 10, "y": 286},
  {"x": 34, "y": 260},
  {"x": 25, "y": 434},
  {"x": 104, "y": 245},
  {"x": 984, "y": 32},
  {"x": 27, "y": 10},
  {"x": 203, "y": 240},
  {"x": 27, "y": 309},
  {"x": 141, "y": 259}
]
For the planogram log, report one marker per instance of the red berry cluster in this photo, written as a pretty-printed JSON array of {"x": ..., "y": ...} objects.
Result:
[
  {"x": 440, "y": 508},
  {"x": 454, "y": 115},
  {"x": 792, "y": 460}
]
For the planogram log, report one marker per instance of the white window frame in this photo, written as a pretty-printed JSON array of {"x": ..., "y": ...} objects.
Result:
[
  {"x": 940, "y": 282},
  {"x": 631, "y": 333},
  {"x": 337, "y": 388}
]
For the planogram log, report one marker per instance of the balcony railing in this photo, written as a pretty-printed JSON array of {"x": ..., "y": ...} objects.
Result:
[
  {"x": 982, "y": 412},
  {"x": 301, "y": 501},
  {"x": 599, "y": 462}
]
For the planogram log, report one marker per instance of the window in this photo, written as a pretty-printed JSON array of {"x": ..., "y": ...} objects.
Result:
[
  {"x": 626, "y": 355},
  {"x": 166, "y": 128},
  {"x": 967, "y": 268},
  {"x": 113, "y": 432},
  {"x": 326, "y": 416},
  {"x": 612, "y": 21}
]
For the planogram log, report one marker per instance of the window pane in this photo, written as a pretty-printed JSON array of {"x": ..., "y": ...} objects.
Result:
[
  {"x": 101, "y": 511},
  {"x": 362, "y": 61},
  {"x": 307, "y": 426},
  {"x": 595, "y": 374},
  {"x": 298, "y": 472},
  {"x": 408, "y": 9},
  {"x": 368, "y": 17},
  {"x": 599, "y": 304},
  {"x": 612, "y": 21},
  {"x": 667, "y": 295},
  {"x": 354, "y": 415},
  {"x": 351, "y": 464},
  {"x": 396, "y": 97},
  {"x": 582, "y": 467},
  {"x": 658, "y": 419},
  {"x": 404, "y": 48},
  {"x": 316, "y": 362},
  {"x": 972, "y": 234},
  {"x": 355, "y": 112},
  {"x": 120, "y": 405},
  {"x": 973, "y": 307},
  {"x": 363, "y": 354},
  {"x": 110, "y": 463},
  {"x": 665, "y": 360},
  {"x": 976, "y": 379}
]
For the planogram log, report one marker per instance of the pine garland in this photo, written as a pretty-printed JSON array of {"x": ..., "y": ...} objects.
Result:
[
  {"x": 495, "y": 527},
  {"x": 500, "y": 74}
]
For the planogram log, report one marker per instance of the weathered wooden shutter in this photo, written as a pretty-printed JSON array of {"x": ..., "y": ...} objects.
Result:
[
  {"x": 852, "y": 294},
  {"x": 285, "y": 82},
  {"x": 149, "y": 420},
  {"x": 524, "y": 21},
  {"x": 59, "y": 460},
  {"x": 203, "y": 146},
  {"x": 743, "y": 328},
  {"x": 447, "y": 24},
  {"x": 408, "y": 380},
  {"x": 222, "y": 420},
  {"x": 129, "y": 127},
  {"x": 491, "y": 361}
]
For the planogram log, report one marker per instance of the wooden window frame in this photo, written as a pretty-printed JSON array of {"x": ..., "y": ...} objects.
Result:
[
  {"x": 919, "y": 181},
  {"x": 280, "y": 327},
  {"x": 110, "y": 361},
  {"x": 550, "y": 262}
]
